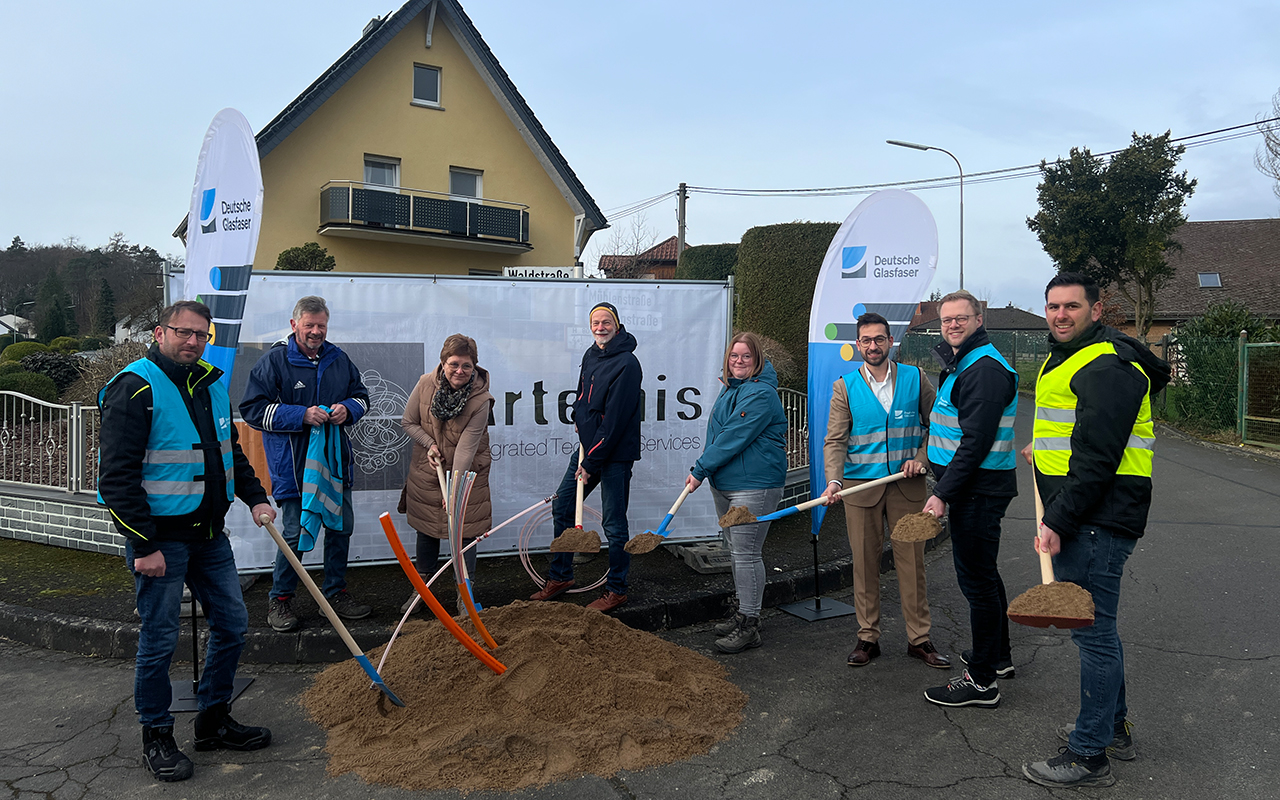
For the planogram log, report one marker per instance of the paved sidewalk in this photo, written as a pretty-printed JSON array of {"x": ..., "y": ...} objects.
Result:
[{"x": 1197, "y": 616}]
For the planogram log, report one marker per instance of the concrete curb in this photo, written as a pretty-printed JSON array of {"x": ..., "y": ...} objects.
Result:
[{"x": 322, "y": 645}]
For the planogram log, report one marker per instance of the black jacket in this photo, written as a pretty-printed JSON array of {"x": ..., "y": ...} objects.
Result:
[
  {"x": 125, "y": 427},
  {"x": 607, "y": 410},
  {"x": 1109, "y": 392},
  {"x": 980, "y": 395}
]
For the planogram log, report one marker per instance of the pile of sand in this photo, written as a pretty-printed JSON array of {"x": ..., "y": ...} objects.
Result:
[
  {"x": 644, "y": 543},
  {"x": 1060, "y": 599},
  {"x": 918, "y": 527},
  {"x": 575, "y": 540},
  {"x": 582, "y": 694}
]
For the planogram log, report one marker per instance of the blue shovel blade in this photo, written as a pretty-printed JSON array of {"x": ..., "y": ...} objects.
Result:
[{"x": 363, "y": 661}]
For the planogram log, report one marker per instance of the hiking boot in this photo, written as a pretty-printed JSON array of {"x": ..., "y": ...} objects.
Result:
[
  {"x": 417, "y": 609},
  {"x": 552, "y": 590},
  {"x": 1069, "y": 769},
  {"x": 863, "y": 652},
  {"x": 1121, "y": 746},
  {"x": 926, "y": 652},
  {"x": 216, "y": 730},
  {"x": 747, "y": 634},
  {"x": 963, "y": 691},
  {"x": 729, "y": 625},
  {"x": 608, "y": 602},
  {"x": 1004, "y": 669},
  {"x": 161, "y": 755},
  {"x": 280, "y": 615},
  {"x": 347, "y": 607}
]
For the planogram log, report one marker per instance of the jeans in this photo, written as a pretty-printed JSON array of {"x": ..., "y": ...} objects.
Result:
[
  {"x": 614, "y": 480},
  {"x": 284, "y": 581},
  {"x": 209, "y": 568},
  {"x": 975, "y": 547},
  {"x": 746, "y": 543},
  {"x": 1094, "y": 558}
]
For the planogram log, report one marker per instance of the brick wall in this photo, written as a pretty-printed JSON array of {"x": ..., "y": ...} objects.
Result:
[{"x": 57, "y": 518}]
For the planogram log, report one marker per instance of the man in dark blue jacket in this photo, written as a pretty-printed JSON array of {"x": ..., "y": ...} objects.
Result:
[
  {"x": 606, "y": 414},
  {"x": 300, "y": 383}
]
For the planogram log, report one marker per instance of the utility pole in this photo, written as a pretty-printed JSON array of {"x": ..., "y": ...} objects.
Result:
[{"x": 683, "y": 195}]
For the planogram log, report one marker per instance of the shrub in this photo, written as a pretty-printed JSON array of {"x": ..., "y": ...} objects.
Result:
[
  {"x": 11, "y": 338},
  {"x": 20, "y": 350},
  {"x": 707, "y": 262},
  {"x": 91, "y": 343},
  {"x": 40, "y": 387},
  {"x": 310, "y": 257},
  {"x": 102, "y": 367},
  {"x": 60, "y": 368},
  {"x": 776, "y": 271},
  {"x": 65, "y": 344},
  {"x": 9, "y": 367}
]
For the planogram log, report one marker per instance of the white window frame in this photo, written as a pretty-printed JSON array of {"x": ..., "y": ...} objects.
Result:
[
  {"x": 1213, "y": 276},
  {"x": 479, "y": 176},
  {"x": 386, "y": 161},
  {"x": 415, "y": 100}
]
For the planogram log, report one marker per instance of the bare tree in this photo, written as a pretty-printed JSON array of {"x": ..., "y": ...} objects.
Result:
[
  {"x": 617, "y": 257},
  {"x": 1267, "y": 158}
]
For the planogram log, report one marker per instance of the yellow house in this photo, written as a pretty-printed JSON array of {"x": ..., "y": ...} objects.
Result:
[{"x": 415, "y": 153}]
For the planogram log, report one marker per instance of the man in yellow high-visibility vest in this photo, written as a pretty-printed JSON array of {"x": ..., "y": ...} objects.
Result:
[{"x": 1092, "y": 450}]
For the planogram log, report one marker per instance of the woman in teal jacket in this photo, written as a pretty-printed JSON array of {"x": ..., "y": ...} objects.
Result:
[{"x": 745, "y": 461}]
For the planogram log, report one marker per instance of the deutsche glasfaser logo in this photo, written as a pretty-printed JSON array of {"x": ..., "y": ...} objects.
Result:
[
  {"x": 208, "y": 222},
  {"x": 851, "y": 258}
]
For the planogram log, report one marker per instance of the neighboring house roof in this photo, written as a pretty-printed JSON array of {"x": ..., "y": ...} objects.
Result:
[
  {"x": 662, "y": 254},
  {"x": 376, "y": 36},
  {"x": 1245, "y": 254}
]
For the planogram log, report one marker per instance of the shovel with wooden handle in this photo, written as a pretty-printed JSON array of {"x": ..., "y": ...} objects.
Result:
[
  {"x": 820, "y": 500},
  {"x": 649, "y": 540},
  {"x": 1051, "y": 592},
  {"x": 575, "y": 539},
  {"x": 328, "y": 611}
]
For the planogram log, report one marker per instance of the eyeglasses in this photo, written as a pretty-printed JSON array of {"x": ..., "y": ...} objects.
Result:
[
  {"x": 962, "y": 320},
  {"x": 459, "y": 367},
  {"x": 739, "y": 357},
  {"x": 187, "y": 333},
  {"x": 878, "y": 341}
]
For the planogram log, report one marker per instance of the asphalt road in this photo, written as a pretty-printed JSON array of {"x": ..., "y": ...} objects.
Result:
[{"x": 1198, "y": 618}]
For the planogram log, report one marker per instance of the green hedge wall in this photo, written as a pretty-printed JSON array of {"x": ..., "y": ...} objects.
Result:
[
  {"x": 707, "y": 262},
  {"x": 777, "y": 270}
]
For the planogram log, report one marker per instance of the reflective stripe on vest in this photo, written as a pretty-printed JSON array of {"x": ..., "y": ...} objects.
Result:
[
  {"x": 174, "y": 462},
  {"x": 1056, "y": 418},
  {"x": 878, "y": 441},
  {"x": 944, "y": 422}
]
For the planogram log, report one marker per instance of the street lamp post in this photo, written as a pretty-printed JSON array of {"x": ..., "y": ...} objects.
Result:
[{"x": 915, "y": 146}]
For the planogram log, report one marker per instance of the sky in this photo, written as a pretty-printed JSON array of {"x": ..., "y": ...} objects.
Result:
[{"x": 103, "y": 106}]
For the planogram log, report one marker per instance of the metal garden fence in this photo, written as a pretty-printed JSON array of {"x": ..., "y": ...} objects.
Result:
[
  {"x": 48, "y": 445},
  {"x": 1259, "y": 405}
]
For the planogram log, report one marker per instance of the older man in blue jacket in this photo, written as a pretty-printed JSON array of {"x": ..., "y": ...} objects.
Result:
[{"x": 304, "y": 382}]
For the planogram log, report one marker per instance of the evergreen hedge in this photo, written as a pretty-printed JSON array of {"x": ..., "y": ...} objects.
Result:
[
  {"x": 31, "y": 384},
  {"x": 60, "y": 368},
  {"x": 777, "y": 269},
  {"x": 20, "y": 350},
  {"x": 65, "y": 344},
  {"x": 7, "y": 367},
  {"x": 707, "y": 262}
]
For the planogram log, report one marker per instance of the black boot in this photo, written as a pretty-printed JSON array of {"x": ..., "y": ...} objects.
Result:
[
  {"x": 215, "y": 729},
  {"x": 161, "y": 755},
  {"x": 746, "y": 635}
]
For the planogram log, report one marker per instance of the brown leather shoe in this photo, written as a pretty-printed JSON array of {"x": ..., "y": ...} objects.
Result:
[
  {"x": 552, "y": 590},
  {"x": 863, "y": 653},
  {"x": 926, "y": 652},
  {"x": 608, "y": 602}
]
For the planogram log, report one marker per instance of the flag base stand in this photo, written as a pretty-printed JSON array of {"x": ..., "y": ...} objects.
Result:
[
  {"x": 185, "y": 693},
  {"x": 817, "y": 608}
]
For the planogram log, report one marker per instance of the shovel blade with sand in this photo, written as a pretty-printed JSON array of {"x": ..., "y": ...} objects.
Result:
[
  {"x": 647, "y": 541},
  {"x": 1053, "y": 603},
  {"x": 328, "y": 611},
  {"x": 739, "y": 515},
  {"x": 575, "y": 539},
  {"x": 918, "y": 527}
]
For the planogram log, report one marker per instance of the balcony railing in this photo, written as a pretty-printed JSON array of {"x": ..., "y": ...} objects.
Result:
[{"x": 365, "y": 205}]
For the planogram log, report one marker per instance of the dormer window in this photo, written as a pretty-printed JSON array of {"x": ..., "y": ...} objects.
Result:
[
  {"x": 426, "y": 86},
  {"x": 1210, "y": 280}
]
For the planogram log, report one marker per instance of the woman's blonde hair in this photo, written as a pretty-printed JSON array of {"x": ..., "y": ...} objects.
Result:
[{"x": 752, "y": 341}]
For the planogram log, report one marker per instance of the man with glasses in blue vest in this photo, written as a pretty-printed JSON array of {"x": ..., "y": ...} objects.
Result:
[
  {"x": 971, "y": 450},
  {"x": 1092, "y": 450}
]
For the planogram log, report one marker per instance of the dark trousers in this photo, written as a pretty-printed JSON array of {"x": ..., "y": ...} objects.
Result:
[
  {"x": 975, "y": 547},
  {"x": 614, "y": 480}
]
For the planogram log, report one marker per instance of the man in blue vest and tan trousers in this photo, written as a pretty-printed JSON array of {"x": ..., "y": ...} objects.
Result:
[
  {"x": 1092, "y": 450},
  {"x": 971, "y": 449},
  {"x": 876, "y": 428},
  {"x": 169, "y": 467}
]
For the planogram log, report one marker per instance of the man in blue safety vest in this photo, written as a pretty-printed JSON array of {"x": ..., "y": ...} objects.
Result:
[
  {"x": 1092, "y": 449},
  {"x": 877, "y": 425},
  {"x": 971, "y": 449},
  {"x": 169, "y": 467}
]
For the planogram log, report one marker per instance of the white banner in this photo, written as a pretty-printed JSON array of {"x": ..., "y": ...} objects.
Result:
[
  {"x": 882, "y": 259},
  {"x": 222, "y": 230},
  {"x": 531, "y": 336}
]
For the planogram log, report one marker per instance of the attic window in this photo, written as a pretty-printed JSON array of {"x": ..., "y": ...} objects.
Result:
[
  {"x": 426, "y": 86},
  {"x": 1210, "y": 280}
]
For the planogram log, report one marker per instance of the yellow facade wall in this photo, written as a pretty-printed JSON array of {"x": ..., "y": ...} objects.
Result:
[{"x": 372, "y": 114}]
